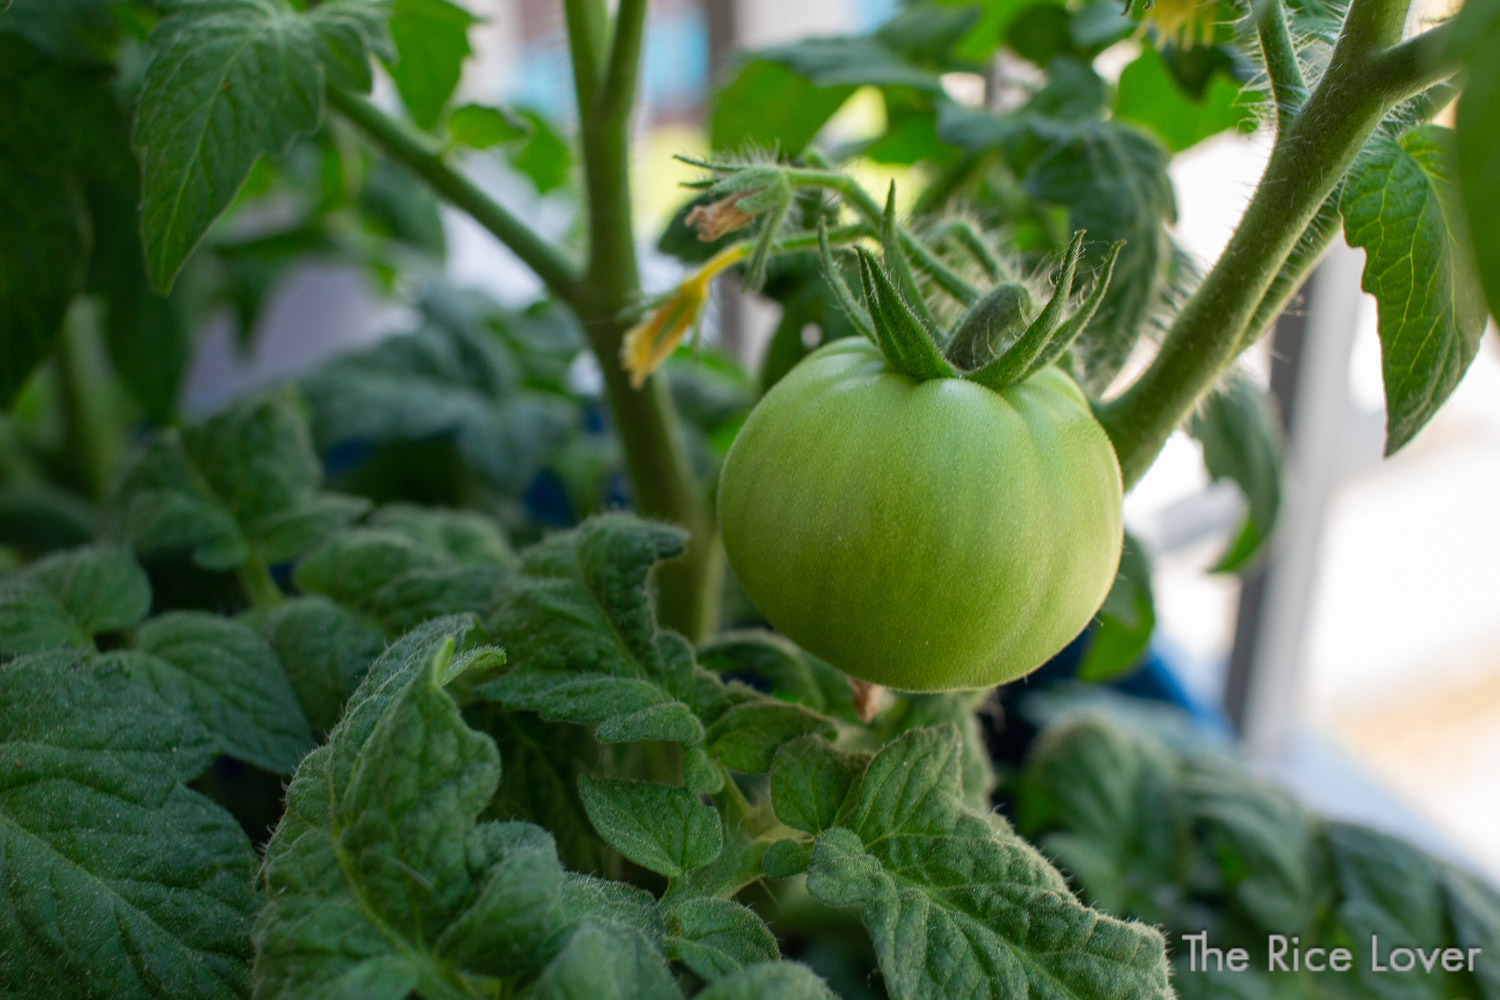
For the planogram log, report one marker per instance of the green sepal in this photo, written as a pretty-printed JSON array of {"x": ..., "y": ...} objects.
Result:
[
  {"x": 1013, "y": 365},
  {"x": 1076, "y": 323},
  {"x": 900, "y": 267},
  {"x": 858, "y": 315},
  {"x": 991, "y": 325},
  {"x": 907, "y": 344}
]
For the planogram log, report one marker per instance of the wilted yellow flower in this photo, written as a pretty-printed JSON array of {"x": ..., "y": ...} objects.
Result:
[
  {"x": 1183, "y": 23},
  {"x": 719, "y": 217},
  {"x": 654, "y": 338}
]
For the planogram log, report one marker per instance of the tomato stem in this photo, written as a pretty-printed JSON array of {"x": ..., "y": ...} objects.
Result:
[{"x": 1369, "y": 72}]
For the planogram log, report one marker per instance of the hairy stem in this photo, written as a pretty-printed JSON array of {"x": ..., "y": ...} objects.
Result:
[
  {"x": 420, "y": 154},
  {"x": 645, "y": 419},
  {"x": 1368, "y": 74},
  {"x": 869, "y": 210},
  {"x": 1283, "y": 70}
]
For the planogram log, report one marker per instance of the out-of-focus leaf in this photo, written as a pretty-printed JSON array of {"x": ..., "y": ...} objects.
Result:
[
  {"x": 1149, "y": 95},
  {"x": 241, "y": 485},
  {"x": 68, "y": 598},
  {"x": 1241, "y": 437},
  {"x": 765, "y": 105},
  {"x": 440, "y": 383},
  {"x": 545, "y": 157},
  {"x": 432, "y": 41},
  {"x": 479, "y": 126},
  {"x": 1126, "y": 620}
]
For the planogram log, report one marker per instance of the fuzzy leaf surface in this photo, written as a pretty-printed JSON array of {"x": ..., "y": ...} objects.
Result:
[
  {"x": 957, "y": 904},
  {"x": 665, "y": 829},
  {"x": 381, "y": 880},
  {"x": 578, "y": 624},
  {"x": 117, "y": 880},
  {"x": 226, "y": 678}
]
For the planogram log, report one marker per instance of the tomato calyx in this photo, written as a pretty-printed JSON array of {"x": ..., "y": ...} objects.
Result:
[{"x": 891, "y": 313}]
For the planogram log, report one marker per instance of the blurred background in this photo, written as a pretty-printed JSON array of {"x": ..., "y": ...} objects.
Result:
[{"x": 1360, "y": 663}]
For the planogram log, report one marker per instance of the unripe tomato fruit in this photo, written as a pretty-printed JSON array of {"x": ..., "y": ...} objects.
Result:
[{"x": 924, "y": 535}]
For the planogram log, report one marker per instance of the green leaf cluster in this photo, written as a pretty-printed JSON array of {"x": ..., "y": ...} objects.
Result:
[{"x": 1150, "y": 818}]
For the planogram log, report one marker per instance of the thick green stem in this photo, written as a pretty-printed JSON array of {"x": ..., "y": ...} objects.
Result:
[
  {"x": 604, "y": 295},
  {"x": 423, "y": 156},
  {"x": 646, "y": 421},
  {"x": 1364, "y": 80},
  {"x": 91, "y": 441},
  {"x": 255, "y": 580},
  {"x": 1299, "y": 264}
]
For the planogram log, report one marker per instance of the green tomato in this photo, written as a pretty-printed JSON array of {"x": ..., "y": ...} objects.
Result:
[{"x": 924, "y": 535}]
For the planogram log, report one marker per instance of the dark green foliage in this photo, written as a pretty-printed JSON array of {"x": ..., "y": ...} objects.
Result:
[{"x": 1154, "y": 822}]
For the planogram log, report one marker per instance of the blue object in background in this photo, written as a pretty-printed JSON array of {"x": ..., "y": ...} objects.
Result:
[
  {"x": 1153, "y": 679},
  {"x": 674, "y": 69},
  {"x": 874, "y": 12}
]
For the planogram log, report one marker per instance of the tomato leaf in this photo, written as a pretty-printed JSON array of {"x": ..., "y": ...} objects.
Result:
[
  {"x": 1126, "y": 620},
  {"x": 68, "y": 598},
  {"x": 792, "y": 672},
  {"x": 1400, "y": 204},
  {"x": 1148, "y": 94},
  {"x": 661, "y": 828},
  {"x": 811, "y": 783},
  {"x": 769, "y": 981},
  {"x": 747, "y": 736},
  {"x": 229, "y": 82},
  {"x": 226, "y": 678},
  {"x": 1240, "y": 432},
  {"x": 718, "y": 937},
  {"x": 380, "y": 878},
  {"x": 607, "y": 961},
  {"x": 325, "y": 650},
  {"x": 1477, "y": 38},
  {"x": 931, "y": 876},
  {"x": 580, "y": 630},
  {"x": 242, "y": 483},
  {"x": 117, "y": 875},
  {"x": 432, "y": 42},
  {"x": 391, "y": 574}
]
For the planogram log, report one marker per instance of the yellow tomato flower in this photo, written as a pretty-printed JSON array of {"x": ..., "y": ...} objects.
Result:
[
  {"x": 654, "y": 338},
  {"x": 1183, "y": 23}
]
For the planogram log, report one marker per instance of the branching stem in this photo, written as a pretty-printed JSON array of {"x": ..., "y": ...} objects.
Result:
[{"x": 1369, "y": 72}]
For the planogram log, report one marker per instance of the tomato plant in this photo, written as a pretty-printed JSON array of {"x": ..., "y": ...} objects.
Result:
[{"x": 364, "y": 686}]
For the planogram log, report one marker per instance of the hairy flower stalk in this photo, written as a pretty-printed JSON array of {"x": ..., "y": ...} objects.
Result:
[{"x": 653, "y": 339}]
